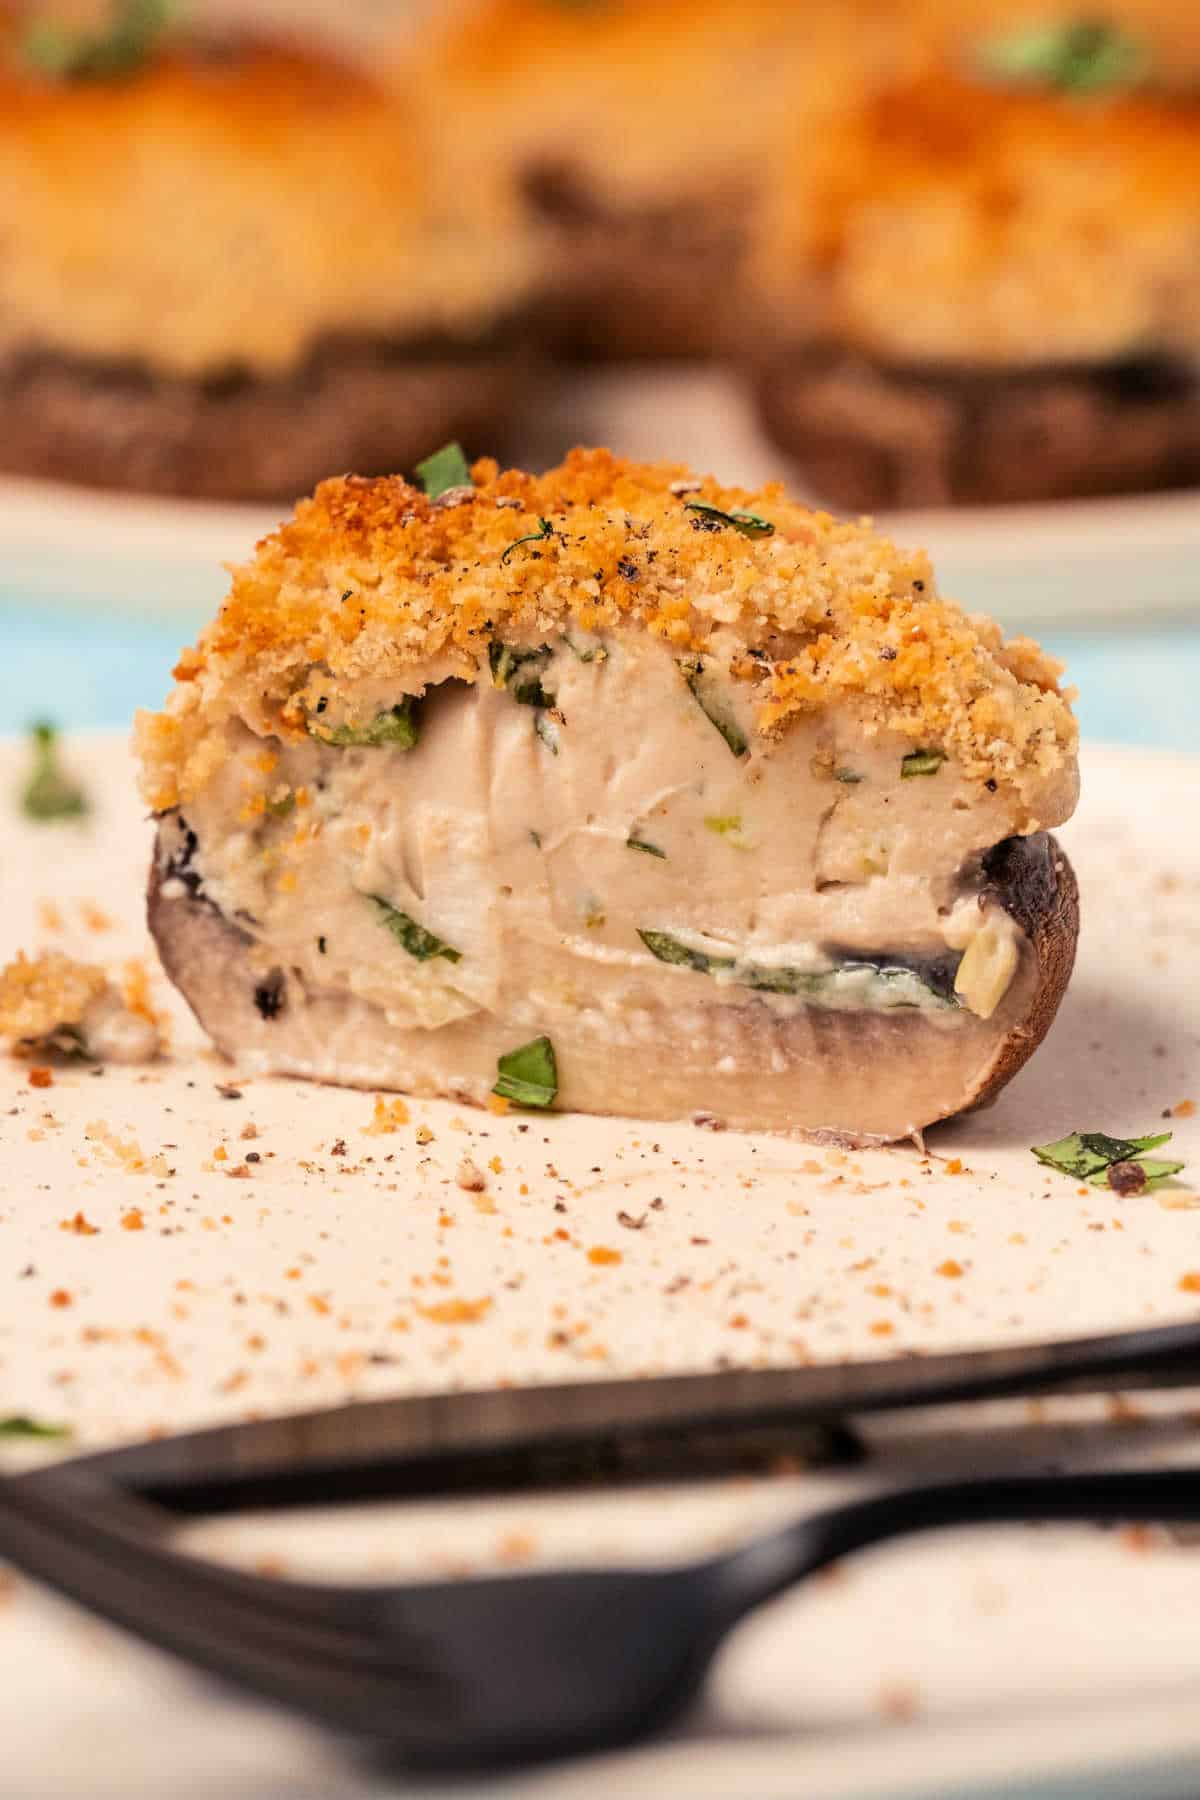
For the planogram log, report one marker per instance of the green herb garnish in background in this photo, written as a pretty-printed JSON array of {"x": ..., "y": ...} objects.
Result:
[
  {"x": 49, "y": 794},
  {"x": 131, "y": 38},
  {"x": 921, "y": 762},
  {"x": 849, "y": 777},
  {"x": 398, "y": 726},
  {"x": 1118, "y": 1163},
  {"x": 447, "y": 468},
  {"x": 1083, "y": 56},
  {"x": 20, "y": 1425},
  {"x": 528, "y": 1076},
  {"x": 413, "y": 937},
  {"x": 279, "y": 809},
  {"x": 693, "y": 670},
  {"x": 748, "y": 523},
  {"x": 637, "y": 843},
  {"x": 544, "y": 530}
]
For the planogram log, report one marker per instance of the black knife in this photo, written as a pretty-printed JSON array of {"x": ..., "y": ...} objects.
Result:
[{"x": 558, "y": 1433}]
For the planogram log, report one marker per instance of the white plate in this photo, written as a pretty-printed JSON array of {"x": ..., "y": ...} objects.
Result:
[
  {"x": 1131, "y": 557},
  {"x": 349, "y": 1262}
]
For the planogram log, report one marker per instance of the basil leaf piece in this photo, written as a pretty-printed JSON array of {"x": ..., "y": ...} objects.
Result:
[
  {"x": 544, "y": 530},
  {"x": 1082, "y": 56},
  {"x": 1154, "y": 1173},
  {"x": 20, "y": 1425},
  {"x": 279, "y": 809},
  {"x": 447, "y": 468},
  {"x": 668, "y": 949},
  {"x": 398, "y": 726},
  {"x": 921, "y": 762},
  {"x": 748, "y": 523},
  {"x": 529, "y": 1075},
  {"x": 1089, "y": 1155},
  {"x": 49, "y": 794},
  {"x": 413, "y": 937},
  {"x": 130, "y": 39},
  {"x": 693, "y": 671},
  {"x": 636, "y": 843}
]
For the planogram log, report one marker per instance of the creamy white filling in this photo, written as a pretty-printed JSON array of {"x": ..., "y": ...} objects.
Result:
[{"x": 515, "y": 852}]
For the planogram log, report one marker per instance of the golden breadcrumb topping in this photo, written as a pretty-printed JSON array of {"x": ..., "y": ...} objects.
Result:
[
  {"x": 650, "y": 99},
  {"x": 42, "y": 996},
  {"x": 946, "y": 219},
  {"x": 373, "y": 588},
  {"x": 233, "y": 206}
]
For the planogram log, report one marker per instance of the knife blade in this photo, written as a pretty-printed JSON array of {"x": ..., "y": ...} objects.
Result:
[{"x": 553, "y": 1433}]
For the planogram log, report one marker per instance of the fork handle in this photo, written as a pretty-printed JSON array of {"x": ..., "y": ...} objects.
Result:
[{"x": 1142, "y": 1496}]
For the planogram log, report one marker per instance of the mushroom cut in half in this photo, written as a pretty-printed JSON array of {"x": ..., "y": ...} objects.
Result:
[{"x": 617, "y": 790}]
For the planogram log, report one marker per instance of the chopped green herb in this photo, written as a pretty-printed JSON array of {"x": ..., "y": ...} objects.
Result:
[
  {"x": 723, "y": 824},
  {"x": 730, "y": 730},
  {"x": 49, "y": 794},
  {"x": 122, "y": 49},
  {"x": 1089, "y": 1155},
  {"x": 849, "y": 776},
  {"x": 413, "y": 937},
  {"x": 668, "y": 949},
  {"x": 508, "y": 660},
  {"x": 398, "y": 726},
  {"x": 544, "y": 530},
  {"x": 322, "y": 945},
  {"x": 447, "y": 468},
  {"x": 1082, "y": 56},
  {"x": 921, "y": 762},
  {"x": 528, "y": 1076},
  {"x": 637, "y": 843},
  {"x": 20, "y": 1425},
  {"x": 589, "y": 653},
  {"x": 898, "y": 985},
  {"x": 279, "y": 809},
  {"x": 748, "y": 523},
  {"x": 535, "y": 838},
  {"x": 547, "y": 729}
]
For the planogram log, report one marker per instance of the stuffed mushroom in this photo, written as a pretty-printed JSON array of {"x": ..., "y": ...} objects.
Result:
[
  {"x": 619, "y": 790},
  {"x": 232, "y": 265}
]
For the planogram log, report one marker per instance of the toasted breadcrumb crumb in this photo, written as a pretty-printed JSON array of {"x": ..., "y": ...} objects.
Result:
[
  {"x": 52, "y": 1002},
  {"x": 46, "y": 994},
  {"x": 832, "y": 612}
]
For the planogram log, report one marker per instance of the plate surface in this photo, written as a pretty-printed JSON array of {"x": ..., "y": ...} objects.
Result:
[
  {"x": 154, "y": 1277},
  {"x": 1132, "y": 557}
]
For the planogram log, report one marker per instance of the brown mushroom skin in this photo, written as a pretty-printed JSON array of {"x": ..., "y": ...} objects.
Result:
[
  {"x": 871, "y": 436},
  {"x": 863, "y": 1077},
  {"x": 365, "y": 404}
]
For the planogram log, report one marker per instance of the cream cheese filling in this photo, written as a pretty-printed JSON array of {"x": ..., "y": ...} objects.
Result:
[{"x": 811, "y": 871}]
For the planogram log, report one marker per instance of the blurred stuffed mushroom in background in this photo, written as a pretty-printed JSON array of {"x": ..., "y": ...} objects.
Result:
[
  {"x": 981, "y": 281},
  {"x": 231, "y": 264}
]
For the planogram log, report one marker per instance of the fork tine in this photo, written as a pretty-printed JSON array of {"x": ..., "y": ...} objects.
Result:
[
  {"x": 120, "y": 1526},
  {"x": 230, "y": 1628}
]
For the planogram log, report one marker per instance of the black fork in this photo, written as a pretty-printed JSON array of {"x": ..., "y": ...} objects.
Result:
[{"x": 514, "y": 1666}]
